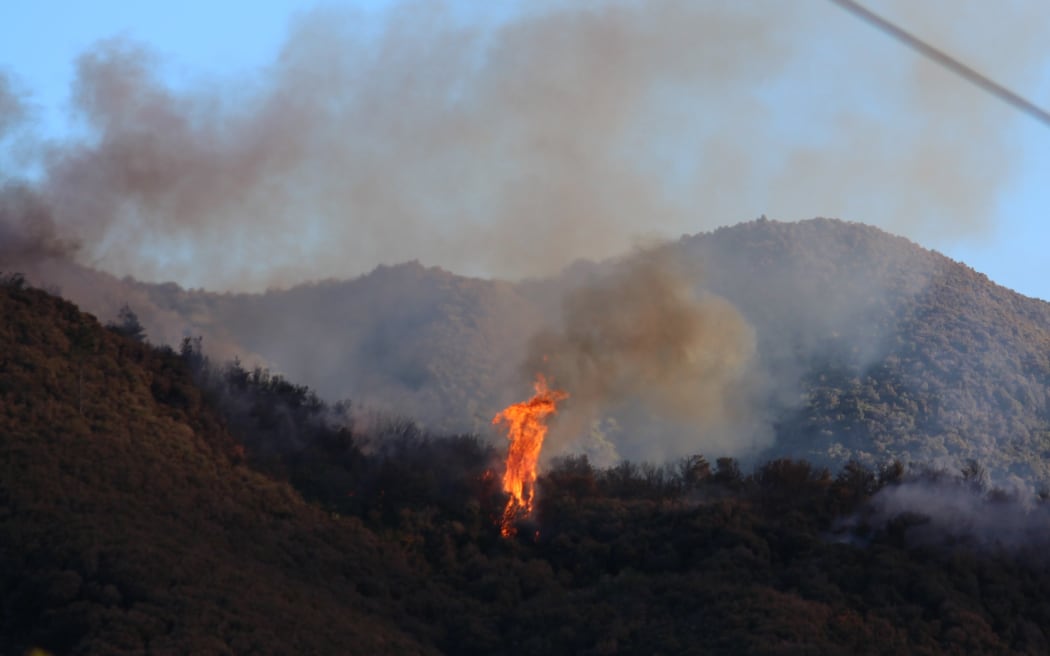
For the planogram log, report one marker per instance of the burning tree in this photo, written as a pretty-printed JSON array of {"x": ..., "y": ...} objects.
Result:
[{"x": 526, "y": 428}]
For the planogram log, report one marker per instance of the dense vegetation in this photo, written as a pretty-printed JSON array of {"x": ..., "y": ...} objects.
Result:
[
  {"x": 887, "y": 350},
  {"x": 152, "y": 501},
  {"x": 876, "y": 348},
  {"x": 128, "y": 526}
]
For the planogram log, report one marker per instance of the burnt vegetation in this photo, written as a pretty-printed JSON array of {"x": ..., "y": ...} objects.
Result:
[{"x": 154, "y": 501}]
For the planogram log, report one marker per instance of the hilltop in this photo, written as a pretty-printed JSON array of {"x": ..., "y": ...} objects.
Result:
[
  {"x": 873, "y": 348},
  {"x": 899, "y": 351}
]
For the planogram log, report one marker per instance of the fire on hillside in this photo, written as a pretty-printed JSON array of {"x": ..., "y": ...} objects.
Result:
[{"x": 526, "y": 425}]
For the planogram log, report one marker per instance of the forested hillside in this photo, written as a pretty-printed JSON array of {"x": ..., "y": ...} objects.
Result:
[
  {"x": 154, "y": 500},
  {"x": 128, "y": 524},
  {"x": 895, "y": 351},
  {"x": 405, "y": 338},
  {"x": 872, "y": 347}
]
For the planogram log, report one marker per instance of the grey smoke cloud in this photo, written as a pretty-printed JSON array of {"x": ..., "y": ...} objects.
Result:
[
  {"x": 944, "y": 511},
  {"x": 670, "y": 372},
  {"x": 27, "y": 231},
  {"x": 515, "y": 147}
]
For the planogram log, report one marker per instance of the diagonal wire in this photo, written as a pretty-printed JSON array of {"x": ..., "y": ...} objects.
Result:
[{"x": 947, "y": 61}]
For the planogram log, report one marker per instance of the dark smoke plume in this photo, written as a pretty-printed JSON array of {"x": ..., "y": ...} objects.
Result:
[
  {"x": 638, "y": 350},
  {"x": 27, "y": 231},
  {"x": 515, "y": 146}
]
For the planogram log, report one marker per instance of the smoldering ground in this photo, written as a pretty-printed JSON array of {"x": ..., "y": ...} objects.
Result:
[{"x": 512, "y": 146}]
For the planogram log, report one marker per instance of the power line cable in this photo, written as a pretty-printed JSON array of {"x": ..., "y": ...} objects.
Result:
[{"x": 947, "y": 61}]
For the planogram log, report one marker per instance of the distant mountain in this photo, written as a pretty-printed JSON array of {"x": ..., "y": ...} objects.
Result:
[
  {"x": 870, "y": 346},
  {"x": 898, "y": 352},
  {"x": 408, "y": 340}
]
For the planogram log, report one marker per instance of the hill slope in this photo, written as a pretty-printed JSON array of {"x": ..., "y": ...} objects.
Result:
[
  {"x": 131, "y": 522},
  {"x": 127, "y": 526},
  {"x": 874, "y": 347},
  {"x": 898, "y": 351}
]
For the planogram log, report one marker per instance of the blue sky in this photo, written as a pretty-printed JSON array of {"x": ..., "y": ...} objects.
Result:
[{"x": 206, "y": 43}]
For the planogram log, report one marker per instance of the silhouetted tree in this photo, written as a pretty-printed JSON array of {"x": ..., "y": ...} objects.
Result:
[
  {"x": 693, "y": 470},
  {"x": 854, "y": 485},
  {"x": 128, "y": 324},
  {"x": 891, "y": 473},
  {"x": 573, "y": 475},
  {"x": 192, "y": 352},
  {"x": 727, "y": 473},
  {"x": 13, "y": 280}
]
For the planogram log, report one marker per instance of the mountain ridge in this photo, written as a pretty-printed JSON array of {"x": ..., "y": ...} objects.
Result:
[
  {"x": 874, "y": 347},
  {"x": 142, "y": 510}
]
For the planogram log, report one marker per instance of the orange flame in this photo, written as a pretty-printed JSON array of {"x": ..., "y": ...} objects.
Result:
[{"x": 526, "y": 428}]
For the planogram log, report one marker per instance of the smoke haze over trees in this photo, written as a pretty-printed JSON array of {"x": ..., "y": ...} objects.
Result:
[
  {"x": 513, "y": 148},
  {"x": 778, "y": 436},
  {"x": 120, "y": 490},
  {"x": 838, "y": 341}
]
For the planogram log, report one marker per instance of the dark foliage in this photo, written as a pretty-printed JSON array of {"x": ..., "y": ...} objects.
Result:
[
  {"x": 127, "y": 526},
  {"x": 128, "y": 325},
  {"x": 151, "y": 502},
  {"x": 671, "y": 559}
]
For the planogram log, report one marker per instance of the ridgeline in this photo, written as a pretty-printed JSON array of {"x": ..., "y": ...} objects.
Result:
[{"x": 154, "y": 502}]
